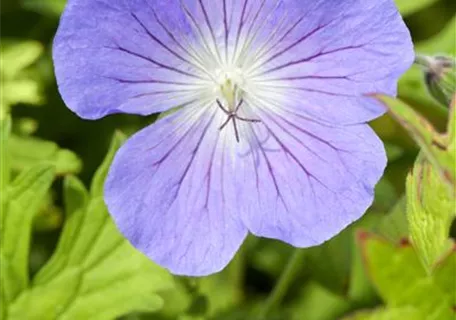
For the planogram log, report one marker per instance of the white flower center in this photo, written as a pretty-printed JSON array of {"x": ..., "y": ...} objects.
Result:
[{"x": 229, "y": 84}]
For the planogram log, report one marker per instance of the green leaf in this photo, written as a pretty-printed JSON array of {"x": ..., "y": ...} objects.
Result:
[
  {"x": 22, "y": 91},
  {"x": 451, "y": 128},
  {"x": 46, "y": 7},
  {"x": 50, "y": 216},
  {"x": 176, "y": 301},
  {"x": 28, "y": 151},
  {"x": 360, "y": 290},
  {"x": 19, "y": 203},
  {"x": 5, "y": 157},
  {"x": 96, "y": 188},
  {"x": 407, "y": 7},
  {"x": 94, "y": 273},
  {"x": 317, "y": 303},
  {"x": 432, "y": 144},
  {"x": 394, "y": 227},
  {"x": 405, "y": 313},
  {"x": 430, "y": 211},
  {"x": 401, "y": 280},
  {"x": 167, "y": 113},
  {"x": 16, "y": 55},
  {"x": 444, "y": 273}
]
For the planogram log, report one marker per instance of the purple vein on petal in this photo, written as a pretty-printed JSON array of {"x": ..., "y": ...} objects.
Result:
[
  {"x": 271, "y": 172},
  {"x": 308, "y": 59},
  {"x": 249, "y": 30},
  {"x": 194, "y": 54},
  {"x": 258, "y": 53},
  {"x": 191, "y": 19},
  {"x": 239, "y": 29},
  {"x": 254, "y": 34},
  {"x": 227, "y": 31},
  {"x": 143, "y": 81},
  {"x": 174, "y": 53},
  {"x": 159, "y": 64},
  {"x": 211, "y": 30}
]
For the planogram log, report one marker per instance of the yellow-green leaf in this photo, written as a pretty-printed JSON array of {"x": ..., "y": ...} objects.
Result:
[
  {"x": 96, "y": 188},
  {"x": 401, "y": 280},
  {"x": 16, "y": 55},
  {"x": 94, "y": 273},
  {"x": 432, "y": 143},
  {"x": 430, "y": 211},
  {"x": 404, "y": 313},
  {"x": 19, "y": 203},
  {"x": 29, "y": 151},
  {"x": 5, "y": 157},
  {"x": 407, "y": 7}
]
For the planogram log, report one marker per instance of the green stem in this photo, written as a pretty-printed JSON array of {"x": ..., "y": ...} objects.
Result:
[
  {"x": 422, "y": 60},
  {"x": 281, "y": 288}
]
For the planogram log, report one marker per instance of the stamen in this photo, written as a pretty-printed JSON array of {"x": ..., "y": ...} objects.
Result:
[{"x": 232, "y": 115}]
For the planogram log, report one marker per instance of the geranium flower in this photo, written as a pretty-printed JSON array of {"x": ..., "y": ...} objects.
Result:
[{"x": 271, "y": 135}]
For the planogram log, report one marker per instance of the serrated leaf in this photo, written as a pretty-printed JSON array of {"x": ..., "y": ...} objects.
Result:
[
  {"x": 401, "y": 280},
  {"x": 20, "y": 202},
  {"x": 96, "y": 188},
  {"x": 405, "y": 313},
  {"x": 94, "y": 273},
  {"x": 432, "y": 144},
  {"x": 430, "y": 211},
  {"x": 28, "y": 151},
  {"x": 407, "y": 7}
]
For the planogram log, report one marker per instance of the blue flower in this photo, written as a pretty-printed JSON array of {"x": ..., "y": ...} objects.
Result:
[{"x": 271, "y": 135}]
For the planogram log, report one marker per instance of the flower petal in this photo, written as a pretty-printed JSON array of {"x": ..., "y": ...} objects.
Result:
[
  {"x": 125, "y": 56},
  {"x": 305, "y": 181},
  {"x": 169, "y": 191},
  {"x": 332, "y": 52}
]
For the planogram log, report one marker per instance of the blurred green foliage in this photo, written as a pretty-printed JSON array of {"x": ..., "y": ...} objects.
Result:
[{"x": 62, "y": 257}]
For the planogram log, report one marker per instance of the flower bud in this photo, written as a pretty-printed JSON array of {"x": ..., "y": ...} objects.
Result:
[{"x": 440, "y": 76}]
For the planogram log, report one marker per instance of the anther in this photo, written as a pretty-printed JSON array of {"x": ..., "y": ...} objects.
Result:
[{"x": 232, "y": 115}]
